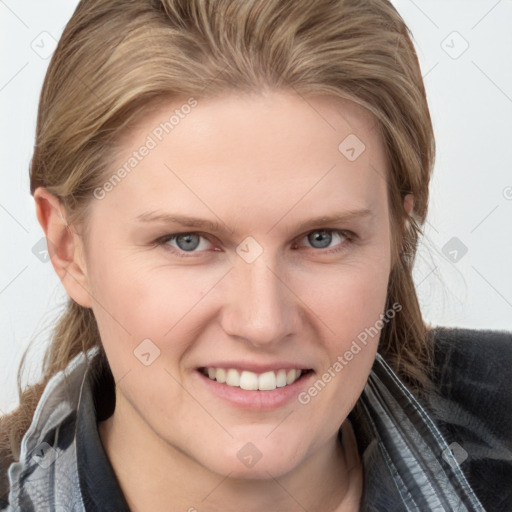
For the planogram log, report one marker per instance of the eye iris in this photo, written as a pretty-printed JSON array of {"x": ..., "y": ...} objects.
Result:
[
  {"x": 323, "y": 237},
  {"x": 191, "y": 242}
]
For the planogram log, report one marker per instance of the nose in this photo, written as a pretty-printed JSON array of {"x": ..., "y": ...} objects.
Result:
[{"x": 261, "y": 309}]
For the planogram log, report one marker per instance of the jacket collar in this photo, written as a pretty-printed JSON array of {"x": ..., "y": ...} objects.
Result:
[
  {"x": 98, "y": 483},
  {"x": 407, "y": 464}
]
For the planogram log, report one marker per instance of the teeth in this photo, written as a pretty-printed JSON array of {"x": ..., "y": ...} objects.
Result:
[
  {"x": 220, "y": 375},
  {"x": 267, "y": 381},
  {"x": 233, "y": 378},
  {"x": 248, "y": 380},
  {"x": 251, "y": 381},
  {"x": 290, "y": 376},
  {"x": 281, "y": 378}
]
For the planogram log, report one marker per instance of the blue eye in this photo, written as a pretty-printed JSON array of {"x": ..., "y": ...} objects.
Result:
[
  {"x": 325, "y": 237},
  {"x": 190, "y": 241},
  {"x": 191, "y": 244},
  {"x": 185, "y": 242}
]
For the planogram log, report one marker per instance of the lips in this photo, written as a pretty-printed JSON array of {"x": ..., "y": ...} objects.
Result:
[{"x": 260, "y": 391}]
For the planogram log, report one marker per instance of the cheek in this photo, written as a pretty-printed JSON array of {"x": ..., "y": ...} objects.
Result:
[
  {"x": 136, "y": 301},
  {"x": 140, "y": 304},
  {"x": 350, "y": 301},
  {"x": 350, "y": 296}
]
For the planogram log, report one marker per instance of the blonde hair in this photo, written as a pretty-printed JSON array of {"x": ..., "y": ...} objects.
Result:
[{"x": 117, "y": 58}]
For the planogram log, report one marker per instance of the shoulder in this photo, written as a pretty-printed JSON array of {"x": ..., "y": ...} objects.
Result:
[
  {"x": 26, "y": 483},
  {"x": 474, "y": 368},
  {"x": 468, "y": 342},
  {"x": 472, "y": 405}
]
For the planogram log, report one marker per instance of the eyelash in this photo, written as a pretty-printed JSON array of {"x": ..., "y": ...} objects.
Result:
[{"x": 347, "y": 235}]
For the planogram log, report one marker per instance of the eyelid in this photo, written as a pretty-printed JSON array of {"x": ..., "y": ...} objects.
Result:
[
  {"x": 343, "y": 232},
  {"x": 162, "y": 240}
]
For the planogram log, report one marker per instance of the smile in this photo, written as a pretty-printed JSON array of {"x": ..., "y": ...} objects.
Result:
[{"x": 251, "y": 381}]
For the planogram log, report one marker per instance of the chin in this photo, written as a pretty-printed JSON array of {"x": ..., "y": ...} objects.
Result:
[{"x": 261, "y": 459}]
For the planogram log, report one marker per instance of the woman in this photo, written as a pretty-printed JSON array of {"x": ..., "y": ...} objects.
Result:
[{"x": 232, "y": 194}]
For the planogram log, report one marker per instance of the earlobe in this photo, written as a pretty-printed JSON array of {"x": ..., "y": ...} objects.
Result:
[{"x": 64, "y": 246}]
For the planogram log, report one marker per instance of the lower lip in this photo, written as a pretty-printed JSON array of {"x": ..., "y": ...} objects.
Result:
[{"x": 257, "y": 400}]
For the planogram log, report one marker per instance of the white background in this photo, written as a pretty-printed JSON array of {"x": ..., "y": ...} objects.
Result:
[{"x": 470, "y": 96}]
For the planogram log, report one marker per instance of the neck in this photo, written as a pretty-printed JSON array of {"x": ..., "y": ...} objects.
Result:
[{"x": 155, "y": 475}]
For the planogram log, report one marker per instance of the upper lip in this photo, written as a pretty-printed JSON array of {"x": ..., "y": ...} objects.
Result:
[{"x": 256, "y": 367}]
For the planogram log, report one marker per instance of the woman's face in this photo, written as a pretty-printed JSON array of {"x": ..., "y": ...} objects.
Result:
[{"x": 210, "y": 252}]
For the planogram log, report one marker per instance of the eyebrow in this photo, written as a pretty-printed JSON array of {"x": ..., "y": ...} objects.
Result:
[{"x": 215, "y": 227}]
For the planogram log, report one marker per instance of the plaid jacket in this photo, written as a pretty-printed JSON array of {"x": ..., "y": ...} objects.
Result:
[{"x": 453, "y": 453}]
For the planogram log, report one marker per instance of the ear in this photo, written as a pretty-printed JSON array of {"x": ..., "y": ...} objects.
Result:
[
  {"x": 408, "y": 207},
  {"x": 64, "y": 247},
  {"x": 404, "y": 226},
  {"x": 409, "y": 203}
]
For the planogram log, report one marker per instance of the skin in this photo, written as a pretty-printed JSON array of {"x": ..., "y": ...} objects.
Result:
[{"x": 262, "y": 166}]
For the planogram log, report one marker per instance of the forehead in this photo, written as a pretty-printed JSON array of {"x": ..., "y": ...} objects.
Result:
[{"x": 267, "y": 152}]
